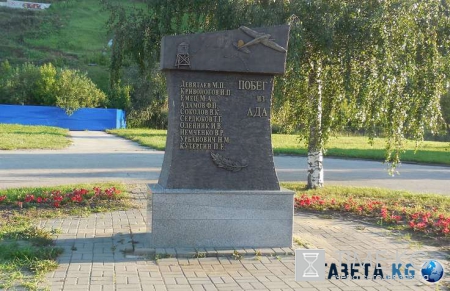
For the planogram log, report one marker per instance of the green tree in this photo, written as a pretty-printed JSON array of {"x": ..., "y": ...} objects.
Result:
[
  {"x": 46, "y": 85},
  {"x": 29, "y": 84},
  {"x": 19, "y": 84},
  {"x": 445, "y": 106},
  {"x": 119, "y": 96},
  {"x": 75, "y": 90},
  {"x": 377, "y": 65}
]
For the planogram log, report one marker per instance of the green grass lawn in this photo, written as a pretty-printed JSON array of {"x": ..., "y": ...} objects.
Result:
[
  {"x": 153, "y": 138},
  {"x": 79, "y": 33},
  {"x": 343, "y": 146},
  {"x": 28, "y": 252},
  {"x": 359, "y": 147},
  {"x": 14, "y": 136},
  {"x": 71, "y": 33}
]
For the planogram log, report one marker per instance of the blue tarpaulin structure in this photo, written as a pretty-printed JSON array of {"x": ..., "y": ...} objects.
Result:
[{"x": 81, "y": 119}]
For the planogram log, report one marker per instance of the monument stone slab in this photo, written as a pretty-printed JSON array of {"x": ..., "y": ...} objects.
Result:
[{"x": 218, "y": 186}]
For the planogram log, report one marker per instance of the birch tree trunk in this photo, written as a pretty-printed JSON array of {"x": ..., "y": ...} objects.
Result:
[
  {"x": 315, "y": 168},
  {"x": 315, "y": 145}
]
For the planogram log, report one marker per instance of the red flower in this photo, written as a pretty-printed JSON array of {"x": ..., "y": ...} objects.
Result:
[
  {"x": 97, "y": 191},
  {"x": 29, "y": 198},
  {"x": 56, "y": 193},
  {"x": 397, "y": 218},
  {"x": 421, "y": 225},
  {"x": 384, "y": 212},
  {"x": 2, "y": 198},
  {"x": 77, "y": 198},
  {"x": 57, "y": 197},
  {"x": 39, "y": 200},
  {"x": 56, "y": 204},
  {"x": 428, "y": 214}
]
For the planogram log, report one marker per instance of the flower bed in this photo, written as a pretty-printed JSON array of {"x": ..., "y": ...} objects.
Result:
[
  {"x": 57, "y": 199},
  {"x": 403, "y": 213}
]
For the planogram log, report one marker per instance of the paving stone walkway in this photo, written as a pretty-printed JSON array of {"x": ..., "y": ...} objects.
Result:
[{"x": 93, "y": 257}]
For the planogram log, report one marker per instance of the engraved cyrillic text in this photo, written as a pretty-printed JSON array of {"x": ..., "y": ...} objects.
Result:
[
  {"x": 257, "y": 112},
  {"x": 200, "y": 118},
  {"x": 252, "y": 85}
]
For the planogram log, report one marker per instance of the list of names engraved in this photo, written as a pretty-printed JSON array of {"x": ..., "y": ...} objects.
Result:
[{"x": 200, "y": 118}]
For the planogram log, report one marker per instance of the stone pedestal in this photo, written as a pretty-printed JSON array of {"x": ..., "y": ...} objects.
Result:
[{"x": 186, "y": 218}]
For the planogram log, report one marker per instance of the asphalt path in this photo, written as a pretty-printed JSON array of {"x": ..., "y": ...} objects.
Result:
[{"x": 98, "y": 156}]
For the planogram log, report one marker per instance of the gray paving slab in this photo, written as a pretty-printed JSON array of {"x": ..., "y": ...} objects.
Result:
[
  {"x": 97, "y": 156},
  {"x": 97, "y": 265}
]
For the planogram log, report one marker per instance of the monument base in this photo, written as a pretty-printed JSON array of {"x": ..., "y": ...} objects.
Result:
[{"x": 186, "y": 218}]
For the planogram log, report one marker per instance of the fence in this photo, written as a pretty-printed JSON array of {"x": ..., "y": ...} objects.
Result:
[{"x": 82, "y": 119}]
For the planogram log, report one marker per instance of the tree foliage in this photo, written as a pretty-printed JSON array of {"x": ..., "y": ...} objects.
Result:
[
  {"x": 380, "y": 65},
  {"x": 74, "y": 90},
  {"x": 29, "y": 84},
  {"x": 445, "y": 106}
]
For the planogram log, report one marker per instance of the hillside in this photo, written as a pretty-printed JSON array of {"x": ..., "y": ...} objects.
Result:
[{"x": 70, "y": 33}]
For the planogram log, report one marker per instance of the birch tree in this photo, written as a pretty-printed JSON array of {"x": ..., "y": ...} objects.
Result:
[{"x": 380, "y": 65}]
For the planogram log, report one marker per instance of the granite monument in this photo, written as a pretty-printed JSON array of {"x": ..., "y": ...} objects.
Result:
[{"x": 218, "y": 186}]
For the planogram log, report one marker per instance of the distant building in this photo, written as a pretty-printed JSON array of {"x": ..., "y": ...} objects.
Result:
[{"x": 25, "y": 5}]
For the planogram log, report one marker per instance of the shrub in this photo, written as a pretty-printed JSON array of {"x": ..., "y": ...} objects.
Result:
[
  {"x": 29, "y": 84},
  {"x": 75, "y": 90},
  {"x": 18, "y": 84},
  {"x": 5, "y": 78},
  {"x": 148, "y": 103},
  {"x": 120, "y": 96},
  {"x": 445, "y": 108},
  {"x": 46, "y": 85}
]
